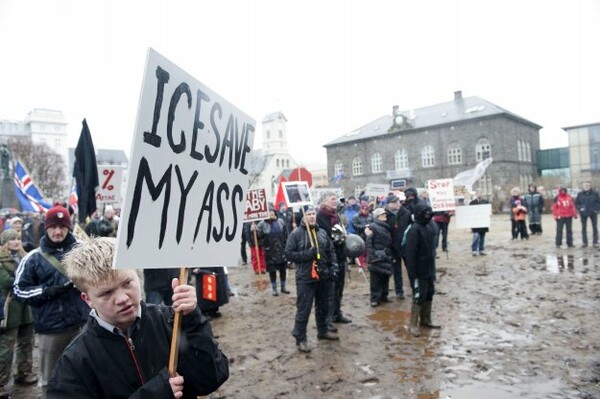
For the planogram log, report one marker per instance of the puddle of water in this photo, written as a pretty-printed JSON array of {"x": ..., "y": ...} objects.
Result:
[
  {"x": 495, "y": 391},
  {"x": 559, "y": 263},
  {"x": 391, "y": 320}
]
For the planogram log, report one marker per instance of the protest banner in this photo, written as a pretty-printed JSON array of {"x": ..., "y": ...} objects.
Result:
[
  {"x": 111, "y": 179},
  {"x": 441, "y": 194},
  {"x": 473, "y": 216},
  {"x": 186, "y": 191},
  {"x": 377, "y": 190},
  {"x": 296, "y": 193},
  {"x": 256, "y": 206}
]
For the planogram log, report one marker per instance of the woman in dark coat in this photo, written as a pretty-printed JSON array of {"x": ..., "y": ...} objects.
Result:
[
  {"x": 272, "y": 233},
  {"x": 379, "y": 250}
]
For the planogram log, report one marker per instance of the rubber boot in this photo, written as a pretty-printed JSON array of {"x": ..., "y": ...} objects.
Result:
[
  {"x": 283, "y": 289},
  {"x": 426, "y": 316},
  {"x": 414, "y": 320}
]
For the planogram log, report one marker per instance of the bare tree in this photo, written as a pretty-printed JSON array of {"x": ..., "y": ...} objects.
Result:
[{"x": 45, "y": 166}]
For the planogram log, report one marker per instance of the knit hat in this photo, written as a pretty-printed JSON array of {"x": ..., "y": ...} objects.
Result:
[
  {"x": 391, "y": 198},
  {"x": 411, "y": 191},
  {"x": 308, "y": 208},
  {"x": 16, "y": 219},
  {"x": 378, "y": 212},
  {"x": 57, "y": 216},
  {"x": 8, "y": 235}
]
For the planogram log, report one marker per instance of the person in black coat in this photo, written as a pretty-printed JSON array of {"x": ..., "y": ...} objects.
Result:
[
  {"x": 273, "y": 234},
  {"x": 588, "y": 205},
  {"x": 310, "y": 248},
  {"x": 379, "y": 250},
  {"x": 420, "y": 263},
  {"x": 398, "y": 219}
]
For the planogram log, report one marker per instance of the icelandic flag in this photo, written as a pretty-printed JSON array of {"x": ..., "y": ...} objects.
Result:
[
  {"x": 27, "y": 193},
  {"x": 74, "y": 199},
  {"x": 337, "y": 178}
]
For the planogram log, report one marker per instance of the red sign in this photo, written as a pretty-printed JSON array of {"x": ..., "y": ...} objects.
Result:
[{"x": 256, "y": 205}]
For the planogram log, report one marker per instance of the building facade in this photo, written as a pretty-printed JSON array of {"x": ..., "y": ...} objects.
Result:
[
  {"x": 584, "y": 154},
  {"x": 407, "y": 148}
]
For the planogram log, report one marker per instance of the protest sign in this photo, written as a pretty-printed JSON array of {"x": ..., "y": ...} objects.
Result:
[
  {"x": 110, "y": 178},
  {"x": 296, "y": 193},
  {"x": 186, "y": 190},
  {"x": 377, "y": 190},
  {"x": 256, "y": 207},
  {"x": 441, "y": 194},
  {"x": 473, "y": 216}
]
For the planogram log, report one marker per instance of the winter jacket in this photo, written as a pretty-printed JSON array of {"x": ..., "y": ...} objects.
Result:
[
  {"x": 563, "y": 206},
  {"x": 17, "y": 314},
  {"x": 420, "y": 246},
  {"x": 535, "y": 205},
  {"x": 398, "y": 222},
  {"x": 100, "y": 364},
  {"x": 298, "y": 250},
  {"x": 349, "y": 212},
  {"x": 587, "y": 202},
  {"x": 514, "y": 201},
  {"x": 520, "y": 212},
  {"x": 379, "y": 248},
  {"x": 272, "y": 234},
  {"x": 326, "y": 219},
  {"x": 442, "y": 217},
  {"x": 35, "y": 281},
  {"x": 360, "y": 222}
]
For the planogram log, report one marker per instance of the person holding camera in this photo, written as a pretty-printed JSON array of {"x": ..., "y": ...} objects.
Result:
[{"x": 310, "y": 248}]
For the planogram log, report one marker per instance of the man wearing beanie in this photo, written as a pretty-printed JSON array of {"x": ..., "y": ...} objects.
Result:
[{"x": 40, "y": 281}]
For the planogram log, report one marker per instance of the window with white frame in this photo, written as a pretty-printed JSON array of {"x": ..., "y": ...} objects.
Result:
[
  {"x": 483, "y": 150},
  {"x": 520, "y": 150},
  {"x": 427, "y": 156},
  {"x": 376, "y": 163},
  {"x": 338, "y": 167},
  {"x": 401, "y": 159},
  {"x": 454, "y": 154},
  {"x": 357, "y": 167},
  {"x": 527, "y": 151},
  {"x": 485, "y": 185}
]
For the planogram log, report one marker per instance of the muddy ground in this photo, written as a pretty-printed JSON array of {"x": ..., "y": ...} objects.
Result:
[{"x": 521, "y": 322}]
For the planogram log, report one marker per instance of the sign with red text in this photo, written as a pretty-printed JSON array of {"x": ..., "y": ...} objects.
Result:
[
  {"x": 188, "y": 174},
  {"x": 256, "y": 205},
  {"x": 441, "y": 194},
  {"x": 111, "y": 179}
]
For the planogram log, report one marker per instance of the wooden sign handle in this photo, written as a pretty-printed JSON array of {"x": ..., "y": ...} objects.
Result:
[{"x": 174, "y": 355}]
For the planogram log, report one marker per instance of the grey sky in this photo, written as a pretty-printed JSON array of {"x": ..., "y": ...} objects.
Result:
[{"x": 329, "y": 66}]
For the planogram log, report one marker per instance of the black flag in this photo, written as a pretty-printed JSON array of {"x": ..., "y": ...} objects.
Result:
[{"x": 85, "y": 172}]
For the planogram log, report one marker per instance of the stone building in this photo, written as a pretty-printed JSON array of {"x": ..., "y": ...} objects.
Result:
[
  {"x": 584, "y": 154},
  {"x": 407, "y": 148}
]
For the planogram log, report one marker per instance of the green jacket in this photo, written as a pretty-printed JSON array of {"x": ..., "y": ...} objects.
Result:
[{"x": 15, "y": 313}]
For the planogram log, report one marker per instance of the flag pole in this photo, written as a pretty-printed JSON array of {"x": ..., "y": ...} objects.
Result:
[{"x": 175, "y": 337}]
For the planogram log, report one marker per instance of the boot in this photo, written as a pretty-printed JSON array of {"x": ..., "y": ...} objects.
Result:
[
  {"x": 414, "y": 320},
  {"x": 426, "y": 316},
  {"x": 274, "y": 292},
  {"x": 283, "y": 289}
]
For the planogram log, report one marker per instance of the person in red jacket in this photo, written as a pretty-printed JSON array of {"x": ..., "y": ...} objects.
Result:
[{"x": 563, "y": 211}]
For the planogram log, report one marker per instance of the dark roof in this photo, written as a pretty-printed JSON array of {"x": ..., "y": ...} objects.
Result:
[{"x": 459, "y": 110}]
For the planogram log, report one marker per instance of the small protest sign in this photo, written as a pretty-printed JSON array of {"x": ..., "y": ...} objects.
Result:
[
  {"x": 256, "y": 206},
  {"x": 188, "y": 174},
  {"x": 441, "y": 194},
  {"x": 296, "y": 193},
  {"x": 110, "y": 178},
  {"x": 377, "y": 190}
]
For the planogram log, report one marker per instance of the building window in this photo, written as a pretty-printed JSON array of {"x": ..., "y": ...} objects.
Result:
[
  {"x": 357, "y": 168},
  {"x": 519, "y": 150},
  {"x": 528, "y": 151},
  {"x": 401, "y": 159},
  {"x": 376, "y": 163},
  {"x": 268, "y": 134},
  {"x": 483, "y": 150},
  {"x": 280, "y": 133},
  {"x": 454, "y": 154},
  {"x": 287, "y": 163},
  {"x": 338, "y": 167},
  {"x": 427, "y": 156},
  {"x": 485, "y": 185}
]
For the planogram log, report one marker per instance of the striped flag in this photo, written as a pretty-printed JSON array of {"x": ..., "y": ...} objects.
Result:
[{"x": 27, "y": 193}]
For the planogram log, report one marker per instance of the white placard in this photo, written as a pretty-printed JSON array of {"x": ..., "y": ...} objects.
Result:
[
  {"x": 377, "y": 190},
  {"x": 473, "y": 216},
  {"x": 188, "y": 174},
  {"x": 296, "y": 193},
  {"x": 110, "y": 178},
  {"x": 441, "y": 194}
]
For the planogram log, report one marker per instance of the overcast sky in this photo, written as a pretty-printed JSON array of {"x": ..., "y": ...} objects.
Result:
[{"x": 329, "y": 66}]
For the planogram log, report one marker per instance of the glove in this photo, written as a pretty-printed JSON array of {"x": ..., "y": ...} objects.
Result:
[
  {"x": 334, "y": 273},
  {"x": 57, "y": 290},
  {"x": 313, "y": 252}
]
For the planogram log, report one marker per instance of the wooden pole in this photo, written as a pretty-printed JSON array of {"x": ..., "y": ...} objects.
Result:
[
  {"x": 174, "y": 355},
  {"x": 257, "y": 250}
]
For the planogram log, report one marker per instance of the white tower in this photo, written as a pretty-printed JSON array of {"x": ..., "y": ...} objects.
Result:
[{"x": 274, "y": 134}]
